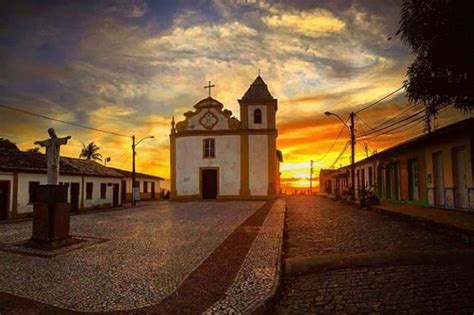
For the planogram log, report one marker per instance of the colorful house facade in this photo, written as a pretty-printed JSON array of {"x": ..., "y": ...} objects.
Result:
[{"x": 435, "y": 170}]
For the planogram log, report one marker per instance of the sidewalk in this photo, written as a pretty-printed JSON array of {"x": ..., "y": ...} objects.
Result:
[{"x": 451, "y": 222}]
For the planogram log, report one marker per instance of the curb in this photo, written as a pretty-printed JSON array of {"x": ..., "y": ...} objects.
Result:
[
  {"x": 268, "y": 304},
  {"x": 465, "y": 235}
]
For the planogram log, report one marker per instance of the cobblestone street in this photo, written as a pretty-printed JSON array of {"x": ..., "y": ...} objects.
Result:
[{"x": 393, "y": 278}]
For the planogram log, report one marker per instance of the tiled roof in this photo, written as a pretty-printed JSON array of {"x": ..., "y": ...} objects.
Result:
[
  {"x": 12, "y": 160},
  {"x": 258, "y": 91},
  {"x": 129, "y": 174}
]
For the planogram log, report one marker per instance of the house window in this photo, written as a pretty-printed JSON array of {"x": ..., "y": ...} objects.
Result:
[
  {"x": 145, "y": 187},
  {"x": 103, "y": 191},
  {"x": 32, "y": 186},
  {"x": 89, "y": 190},
  {"x": 209, "y": 148},
  {"x": 257, "y": 116}
]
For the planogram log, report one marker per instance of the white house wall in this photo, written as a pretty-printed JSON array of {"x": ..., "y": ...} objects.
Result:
[
  {"x": 258, "y": 165},
  {"x": 128, "y": 185},
  {"x": 96, "y": 200},
  {"x": 189, "y": 160},
  {"x": 23, "y": 205}
]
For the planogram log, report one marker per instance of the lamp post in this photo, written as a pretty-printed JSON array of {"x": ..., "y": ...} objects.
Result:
[
  {"x": 353, "y": 141},
  {"x": 134, "y": 145}
]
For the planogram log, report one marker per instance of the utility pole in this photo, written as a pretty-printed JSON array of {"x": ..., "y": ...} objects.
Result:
[
  {"x": 353, "y": 141},
  {"x": 311, "y": 179},
  {"x": 133, "y": 170}
]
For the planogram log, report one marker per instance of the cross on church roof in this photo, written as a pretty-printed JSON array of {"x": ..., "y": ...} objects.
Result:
[{"x": 209, "y": 87}]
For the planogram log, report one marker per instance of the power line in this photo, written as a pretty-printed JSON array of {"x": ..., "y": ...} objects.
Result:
[
  {"x": 380, "y": 100},
  {"x": 417, "y": 119},
  {"x": 62, "y": 121},
  {"x": 394, "y": 123},
  {"x": 332, "y": 145},
  {"x": 340, "y": 154},
  {"x": 391, "y": 118}
]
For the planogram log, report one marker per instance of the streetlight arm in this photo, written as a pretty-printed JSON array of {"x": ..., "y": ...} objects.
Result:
[
  {"x": 149, "y": 137},
  {"x": 338, "y": 117}
]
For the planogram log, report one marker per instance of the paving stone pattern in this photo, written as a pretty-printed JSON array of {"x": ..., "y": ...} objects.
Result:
[
  {"x": 259, "y": 274},
  {"x": 317, "y": 227},
  {"x": 150, "y": 252},
  {"x": 395, "y": 289}
]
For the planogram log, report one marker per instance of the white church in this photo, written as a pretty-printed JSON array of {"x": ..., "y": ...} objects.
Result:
[{"x": 216, "y": 156}]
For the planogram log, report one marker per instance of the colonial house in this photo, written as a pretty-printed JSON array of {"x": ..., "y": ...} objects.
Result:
[
  {"x": 216, "y": 156},
  {"x": 434, "y": 169},
  {"x": 90, "y": 184},
  {"x": 150, "y": 187}
]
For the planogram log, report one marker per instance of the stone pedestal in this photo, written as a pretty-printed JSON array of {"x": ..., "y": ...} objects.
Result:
[{"x": 50, "y": 217}]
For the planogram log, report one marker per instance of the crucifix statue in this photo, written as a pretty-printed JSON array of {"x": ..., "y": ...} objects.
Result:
[
  {"x": 209, "y": 86},
  {"x": 52, "y": 154}
]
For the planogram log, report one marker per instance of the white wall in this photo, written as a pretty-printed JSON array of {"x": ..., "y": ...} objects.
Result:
[
  {"x": 251, "y": 109},
  {"x": 258, "y": 165},
  {"x": 189, "y": 158},
  {"x": 142, "y": 185},
  {"x": 8, "y": 177},
  {"x": 96, "y": 200},
  {"x": 25, "y": 178}
]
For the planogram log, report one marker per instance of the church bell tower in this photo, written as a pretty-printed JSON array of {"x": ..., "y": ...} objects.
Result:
[{"x": 258, "y": 119}]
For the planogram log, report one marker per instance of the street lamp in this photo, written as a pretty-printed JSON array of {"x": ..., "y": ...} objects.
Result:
[
  {"x": 134, "y": 145},
  {"x": 353, "y": 141}
]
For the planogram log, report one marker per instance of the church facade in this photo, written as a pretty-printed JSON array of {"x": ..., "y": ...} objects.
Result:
[{"x": 216, "y": 156}]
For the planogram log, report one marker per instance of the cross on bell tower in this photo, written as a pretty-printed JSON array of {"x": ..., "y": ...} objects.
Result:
[{"x": 209, "y": 86}]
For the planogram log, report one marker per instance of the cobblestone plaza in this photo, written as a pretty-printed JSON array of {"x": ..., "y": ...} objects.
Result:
[{"x": 146, "y": 254}]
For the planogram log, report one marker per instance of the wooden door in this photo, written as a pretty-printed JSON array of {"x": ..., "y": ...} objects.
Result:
[
  {"x": 74, "y": 192},
  {"x": 459, "y": 178},
  {"x": 115, "y": 198},
  {"x": 209, "y": 183},
  {"x": 152, "y": 190},
  {"x": 124, "y": 191},
  {"x": 4, "y": 199},
  {"x": 438, "y": 179}
]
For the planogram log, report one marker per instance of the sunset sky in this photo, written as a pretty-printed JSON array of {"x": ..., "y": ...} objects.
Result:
[{"x": 129, "y": 66}]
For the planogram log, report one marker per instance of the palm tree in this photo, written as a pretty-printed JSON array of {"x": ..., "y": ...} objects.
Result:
[{"x": 91, "y": 152}]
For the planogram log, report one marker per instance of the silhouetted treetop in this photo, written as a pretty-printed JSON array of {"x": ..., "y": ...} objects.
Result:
[
  {"x": 7, "y": 144},
  {"x": 440, "y": 34}
]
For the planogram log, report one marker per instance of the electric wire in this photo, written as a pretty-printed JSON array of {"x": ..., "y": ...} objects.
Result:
[
  {"x": 380, "y": 100},
  {"x": 62, "y": 121}
]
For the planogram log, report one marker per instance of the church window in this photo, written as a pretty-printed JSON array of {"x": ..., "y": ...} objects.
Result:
[
  {"x": 257, "y": 116},
  {"x": 209, "y": 148}
]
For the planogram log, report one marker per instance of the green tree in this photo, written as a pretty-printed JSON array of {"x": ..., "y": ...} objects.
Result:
[
  {"x": 7, "y": 144},
  {"x": 90, "y": 152},
  {"x": 440, "y": 35}
]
